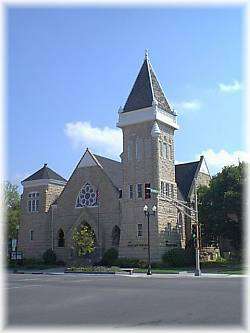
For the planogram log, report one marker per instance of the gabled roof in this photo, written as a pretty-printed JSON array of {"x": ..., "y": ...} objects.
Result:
[
  {"x": 45, "y": 173},
  {"x": 184, "y": 175},
  {"x": 146, "y": 89},
  {"x": 112, "y": 168}
]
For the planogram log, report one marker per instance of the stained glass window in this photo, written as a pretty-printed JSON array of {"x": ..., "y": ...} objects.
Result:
[{"x": 86, "y": 197}]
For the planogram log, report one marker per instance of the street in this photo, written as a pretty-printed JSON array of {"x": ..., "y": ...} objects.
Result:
[{"x": 123, "y": 301}]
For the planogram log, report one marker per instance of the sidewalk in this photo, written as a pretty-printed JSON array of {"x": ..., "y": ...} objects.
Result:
[
  {"x": 181, "y": 274},
  {"x": 187, "y": 275}
]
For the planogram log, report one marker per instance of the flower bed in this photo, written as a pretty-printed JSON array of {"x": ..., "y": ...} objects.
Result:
[{"x": 92, "y": 269}]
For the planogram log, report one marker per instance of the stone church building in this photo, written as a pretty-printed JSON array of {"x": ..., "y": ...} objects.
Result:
[{"x": 109, "y": 196}]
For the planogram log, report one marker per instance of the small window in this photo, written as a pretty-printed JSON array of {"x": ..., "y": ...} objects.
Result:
[
  {"x": 138, "y": 149},
  {"x": 165, "y": 150},
  {"x": 129, "y": 152},
  {"x": 147, "y": 145},
  {"x": 139, "y": 190},
  {"x": 33, "y": 202},
  {"x": 130, "y": 191},
  {"x": 170, "y": 151},
  {"x": 162, "y": 189},
  {"x": 160, "y": 142},
  {"x": 31, "y": 235},
  {"x": 169, "y": 229},
  {"x": 167, "y": 189},
  {"x": 139, "y": 230},
  {"x": 120, "y": 193},
  {"x": 172, "y": 190},
  {"x": 147, "y": 191}
]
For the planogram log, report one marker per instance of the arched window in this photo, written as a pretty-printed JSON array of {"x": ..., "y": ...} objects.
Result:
[
  {"x": 87, "y": 197},
  {"x": 85, "y": 224},
  {"x": 115, "y": 236},
  {"x": 61, "y": 239}
]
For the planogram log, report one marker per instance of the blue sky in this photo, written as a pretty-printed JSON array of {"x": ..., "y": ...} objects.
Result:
[{"x": 69, "y": 70}]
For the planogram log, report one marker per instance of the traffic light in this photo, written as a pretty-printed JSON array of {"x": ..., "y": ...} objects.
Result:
[
  {"x": 194, "y": 232},
  {"x": 147, "y": 191}
]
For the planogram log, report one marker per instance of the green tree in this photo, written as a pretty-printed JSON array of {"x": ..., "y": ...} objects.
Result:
[
  {"x": 83, "y": 240},
  {"x": 221, "y": 206},
  {"x": 12, "y": 206}
]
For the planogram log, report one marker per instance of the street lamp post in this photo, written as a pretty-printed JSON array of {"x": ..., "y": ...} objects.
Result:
[
  {"x": 197, "y": 241},
  {"x": 148, "y": 214},
  {"x": 17, "y": 229}
]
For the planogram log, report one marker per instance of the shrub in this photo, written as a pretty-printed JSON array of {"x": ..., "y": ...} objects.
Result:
[
  {"x": 178, "y": 258},
  {"x": 49, "y": 257},
  {"x": 109, "y": 257},
  {"x": 126, "y": 262}
]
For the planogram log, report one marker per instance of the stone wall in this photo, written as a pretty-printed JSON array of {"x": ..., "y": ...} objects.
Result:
[
  {"x": 151, "y": 168},
  {"x": 102, "y": 220}
]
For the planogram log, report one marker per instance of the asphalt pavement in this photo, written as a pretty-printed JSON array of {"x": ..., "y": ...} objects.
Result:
[{"x": 124, "y": 301}]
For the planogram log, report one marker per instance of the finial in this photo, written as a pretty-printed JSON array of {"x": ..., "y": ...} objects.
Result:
[
  {"x": 45, "y": 165},
  {"x": 146, "y": 54}
]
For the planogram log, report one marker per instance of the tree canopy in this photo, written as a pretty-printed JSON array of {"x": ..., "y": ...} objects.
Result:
[
  {"x": 12, "y": 206},
  {"x": 83, "y": 240},
  {"x": 221, "y": 206}
]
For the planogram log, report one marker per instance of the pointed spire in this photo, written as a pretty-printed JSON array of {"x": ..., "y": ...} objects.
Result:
[{"x": 146, "y": 91}]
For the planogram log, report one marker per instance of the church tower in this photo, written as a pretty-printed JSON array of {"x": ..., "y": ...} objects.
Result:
[{"x": 148, "y": 124}]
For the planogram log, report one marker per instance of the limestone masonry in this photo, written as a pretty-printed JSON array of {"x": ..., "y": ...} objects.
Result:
[{"x": 109, "y": 196}]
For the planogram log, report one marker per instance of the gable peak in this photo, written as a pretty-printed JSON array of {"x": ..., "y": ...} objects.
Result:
[{"x": 88, "y": 160}]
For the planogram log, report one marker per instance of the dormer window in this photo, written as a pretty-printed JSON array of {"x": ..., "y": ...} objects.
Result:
[{"x": 33, "y": 202}]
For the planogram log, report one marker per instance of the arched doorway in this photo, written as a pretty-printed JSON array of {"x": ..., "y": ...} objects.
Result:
[
  {"x": 93, "y": 257},
  {"x": 116, "y": 236}
]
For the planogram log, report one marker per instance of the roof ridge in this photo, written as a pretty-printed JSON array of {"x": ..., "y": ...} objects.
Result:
[
  {"x": 187, "y": 163},
  {"x": 107, "y": 158},
  {"x": 45, "y": 173},
  {"x": 149, "y": 74}
]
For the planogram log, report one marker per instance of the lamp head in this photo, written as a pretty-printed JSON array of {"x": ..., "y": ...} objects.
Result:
[
  {"x": 145, "y": 209},
  {"x": 154, "y": 209}
]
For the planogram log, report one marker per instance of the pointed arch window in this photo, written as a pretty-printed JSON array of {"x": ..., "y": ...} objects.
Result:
[
  {"x": 87, "y": 197},
  {"x": 116, "y": 236},
  {"x": 61, "y": 239}
]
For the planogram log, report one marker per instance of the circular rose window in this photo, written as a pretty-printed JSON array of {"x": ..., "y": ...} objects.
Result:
[{"x": 86, "y": 197}]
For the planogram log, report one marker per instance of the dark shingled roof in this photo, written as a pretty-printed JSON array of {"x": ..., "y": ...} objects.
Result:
[
  {"x": 45, "y": 173},
  {"x": 112, "y": 168},
  {"x": 145, "y": 89},
  {"x": 184, "y": 175}
]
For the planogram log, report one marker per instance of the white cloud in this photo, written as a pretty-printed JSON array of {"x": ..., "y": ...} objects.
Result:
[
  {"x": 217, "y": 160},
  {"x": 230, "y": 88},
  {"x": 191, "y": 105},
  {"x": 104, "y": 141}
]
